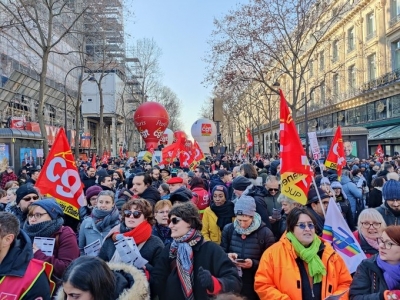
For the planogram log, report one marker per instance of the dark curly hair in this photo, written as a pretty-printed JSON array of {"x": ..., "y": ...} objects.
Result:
[
  {"x": 141, "y": 204},
  {"x": 189, "y": 213}
]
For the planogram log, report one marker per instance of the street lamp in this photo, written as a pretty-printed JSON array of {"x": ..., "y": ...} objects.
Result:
[{"x": 91, "y": 79}]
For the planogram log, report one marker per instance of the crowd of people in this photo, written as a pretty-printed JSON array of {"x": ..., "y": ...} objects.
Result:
[{"x": 220, "y": 231}]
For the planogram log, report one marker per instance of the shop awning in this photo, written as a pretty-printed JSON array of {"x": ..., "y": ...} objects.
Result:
[{"x": 384, "y": 133}]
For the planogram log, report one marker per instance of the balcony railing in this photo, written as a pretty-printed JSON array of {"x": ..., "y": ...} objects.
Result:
[
  {"x": 370, "y": 35},
  {"x": 394, "y": 20}
]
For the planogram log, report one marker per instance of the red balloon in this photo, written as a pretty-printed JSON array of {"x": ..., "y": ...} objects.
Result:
[
  {"x": 180, "y": 135},
  {"x": 151, "y": 119}
]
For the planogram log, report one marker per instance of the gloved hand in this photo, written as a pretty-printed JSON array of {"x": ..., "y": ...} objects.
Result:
[
  {"x": 206, "y": 280},
  {"x": 391, "y": 295}
]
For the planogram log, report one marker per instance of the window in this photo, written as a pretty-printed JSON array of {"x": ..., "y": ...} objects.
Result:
[
  {"x": 396, "y": 55},
  {"x": 321, "y": 61},
  {"x": 351, "y": 73},
  {"x": 335, "y": 51},
  {"x": 371, "y": 67},
  {"x": 350, "y": 40},
  {"x": 89, "y": 100},
  {"x": 394, "y": 11},
  {"x": 370, "y": 23},
  {"x": 311, "y": 67},
  {"x": 335, "y": 86},
  {"x": 322, "y": 93}
]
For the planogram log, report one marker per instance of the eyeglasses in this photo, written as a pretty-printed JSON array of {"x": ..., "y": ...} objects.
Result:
[
  {"x": 30, "y": 198},
  {"x": 394, "y": 200},
  {"x": 366, "y": 225},
  {"x": 37, "y": 216},
  {"x": 136, "y": 214},
  {"x": 175, "y": 220},
  {"x": 303, "y": 226},
  {"x": 161, "y": 212},
  {"x": 273, "y": 190},
  {"x": 388, "y": 244},
  {"x": 196, "y": 171}
]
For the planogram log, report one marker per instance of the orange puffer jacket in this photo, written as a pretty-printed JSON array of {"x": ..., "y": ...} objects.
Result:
[{"x": 278, "y": 276}]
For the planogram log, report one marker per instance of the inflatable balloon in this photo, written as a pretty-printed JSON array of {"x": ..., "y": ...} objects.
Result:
[
  {"x": 204, "y": 131},
  {"x": 151, "y": 119},
  {"x": 180, "y": 135},
  {"x": 167, "y": 138}
]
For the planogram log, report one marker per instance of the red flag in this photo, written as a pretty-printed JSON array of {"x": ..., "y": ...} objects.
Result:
[
  {"x": 169, "y": 153},
  {"x": 379, "y": 151},
  {"x": 196, "y": 156},
  {"x": 94, "y": 161},
  {"x": 336, "y": 159},
  {"x": 295, "y": 169},
  {"x": 121, "y": 152},
  {"x": 60, "y": 179}
]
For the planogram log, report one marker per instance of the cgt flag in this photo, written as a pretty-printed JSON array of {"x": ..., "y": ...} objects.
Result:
[
  {"x": 336, "y": 158},
  {"x": 60, "y": 179},
  {"x": 379, "y": 151},
  {"x": 250, "y": 142},
  {"x": 295, "y": 170},
  {"x": 337, "y": 232},
  {"x": 196, "y": 156}
]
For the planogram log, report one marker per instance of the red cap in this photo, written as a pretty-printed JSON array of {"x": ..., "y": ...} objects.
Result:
[{"x": 175, "y": 180}]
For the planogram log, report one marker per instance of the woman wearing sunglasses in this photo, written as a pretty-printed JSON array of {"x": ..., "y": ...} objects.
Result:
[
  {"x": 370, "y": 227},
  {"x": 301, "y": 265},
  {"x": 245, "y": 240},
  {"x": 104, "y": 216},
  {"x": 378, "y": 277},
  {"x": 137, "y": 221},
  {"x": 191, "y": 268},
  {"x": 45, "y": 220}
]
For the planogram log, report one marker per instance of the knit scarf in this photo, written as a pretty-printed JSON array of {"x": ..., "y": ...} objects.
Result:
[
  {"x": 372, "y": 242},
  {"x": 104, "y": 219},
  {"x": 165, "y": 231},
  {"x": 391, "y": 273},
  {"x": 225, "y": 213},
  {"x": 181, "y": 249},
  {"x": 315, "y": 266},
  {"x": 253, "y": 226},
  {"x": 43, "y": 229},
  {"x": 140, "y": 234}
]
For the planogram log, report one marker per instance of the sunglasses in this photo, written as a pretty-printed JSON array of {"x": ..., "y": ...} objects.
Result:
[
  {"x": 136, "y": 214},
  {"x": 303, "y": 226},
  {"x": 273, "y": 190},
  {"x": 175, "y": 220},
  {"x": 30, "y": 198}
]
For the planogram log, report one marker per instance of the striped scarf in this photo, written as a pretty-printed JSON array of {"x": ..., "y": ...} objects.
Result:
[{"x": 181, "y": 249}]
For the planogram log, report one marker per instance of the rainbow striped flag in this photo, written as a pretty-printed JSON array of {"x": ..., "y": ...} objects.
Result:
[{"x": 337, "y": 232}]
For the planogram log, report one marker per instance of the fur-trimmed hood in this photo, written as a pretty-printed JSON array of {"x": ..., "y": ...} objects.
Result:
[{"x": 139, "y": 291}]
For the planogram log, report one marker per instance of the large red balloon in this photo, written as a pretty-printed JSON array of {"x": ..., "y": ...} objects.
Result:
[
  {"x": 180, "y": 135},
  {"x": 151, "y": 119}
]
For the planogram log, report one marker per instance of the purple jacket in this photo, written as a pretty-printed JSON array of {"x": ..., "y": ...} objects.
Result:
[{"x": 65, "y": 251}]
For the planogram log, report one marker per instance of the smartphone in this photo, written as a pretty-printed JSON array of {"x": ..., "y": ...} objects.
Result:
[
  {"x": 276, "y": 214},
  {"x": 240, "y": 260}
]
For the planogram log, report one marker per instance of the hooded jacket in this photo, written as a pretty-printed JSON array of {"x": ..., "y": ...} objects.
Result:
[
  {"x": 388, "y": 215},
  {"x": 278, "y": 275},
  {"x": 352, "y": 192},
  {"x": 16, "y": 262},
  {"x": 258, "y": 193},
  {"x": 151, "y": 194},
  {"x": 131, "y": 283}
]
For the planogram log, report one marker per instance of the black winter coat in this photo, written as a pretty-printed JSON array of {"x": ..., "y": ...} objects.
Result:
[
  {"x": 165, "y": 281},
  {"x": 368, "y": 281},
  {"x": 253, "y": 246},
  {"x": 151, "y": 194},
  {"x": 15, "y": 263},
  {"x": 346, "y": 211},
  {"x": 258, "y": 193},
  {"x": 375, "y": 198}
]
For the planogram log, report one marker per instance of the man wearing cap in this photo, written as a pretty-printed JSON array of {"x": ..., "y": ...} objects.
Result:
[
  {"x": 224, "y": 178},
  {"x": 6, "y": 176},
  {"x": 165, "y": 174},
  {"x": 180, "y": 195},
  {"x": 390, "y": 209},
  {"x": 175, "y": 183},
  {"x": 141, "y": 188},
  {"x": 317, "y": 210},
  {"x": 25, "y": 195},
  {"x": 22, "y": 276}
]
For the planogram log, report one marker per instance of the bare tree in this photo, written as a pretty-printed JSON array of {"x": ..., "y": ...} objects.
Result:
[{"x": 42, "y": 25}]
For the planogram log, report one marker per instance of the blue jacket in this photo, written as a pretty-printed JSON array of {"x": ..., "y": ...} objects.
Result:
[{"x": 352, "y": 191}]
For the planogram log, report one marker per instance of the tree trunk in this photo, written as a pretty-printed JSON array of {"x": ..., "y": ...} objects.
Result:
[
  {"x": 101, "y": 118},
  {"x": 42, "y": 86},
  {"x": 78, "y": 117}
]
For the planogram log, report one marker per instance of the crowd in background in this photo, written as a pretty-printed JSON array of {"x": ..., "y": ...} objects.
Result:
[{"x": 221, "y": 230}]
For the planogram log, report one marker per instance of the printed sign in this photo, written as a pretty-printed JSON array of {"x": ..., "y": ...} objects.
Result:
[{"x": 206, "y": 129}]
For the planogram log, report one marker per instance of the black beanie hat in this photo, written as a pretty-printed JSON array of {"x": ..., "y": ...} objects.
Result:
[
  {"x": 24, "y": 190},
  {"x": 240, "y": 183}
]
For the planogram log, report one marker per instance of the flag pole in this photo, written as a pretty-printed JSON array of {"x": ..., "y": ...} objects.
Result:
[{"x": 319, "y": 196}]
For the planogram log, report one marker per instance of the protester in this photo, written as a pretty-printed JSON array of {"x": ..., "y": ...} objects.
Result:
[
  {"x": 103, "y": 218},
  {"x": 11, "y": 184},
  {"x": 45, "y": 219},
  {"x": 390, "y": 209},
  {"x": 141, "y": 188},
  {"x": 201, "y": 196},
  {"x": 12, "y": 195},
  {"x": 91, "y": 201},
  {"x": 6, "y": 176},
  {"x": 163, "y": 189},
  {"x": 224, "y": 178},
  {"x": 181, "y": 195},
  {"x": 279, "y": 227},
  {"x": 378, "y": 277},
  {"x": 26, "y": 194},
  {"x": 156, "y": 177},
  {"x": 88, "y": 178},
  {"x": 344, "y": 204},
  {"x": 175, "y": 183},
  {"x": 245, "y": 240},
  {"x": 370, "y": 227},
  {"x": 375, "y": 195},
  {"x": 317, "y": 209},
  {"x": 273, "y": 189},
  {"x": 190, "y": 268},
  {"x": 91, "y": 278},
  {"x": 137, "y": 218},
  {"x": 353, "y": 193},
  {"x": 160, "y": 228},
  {"x": 22, "y": 276},
  {"x": 219, "y": 214},
  {"x": 301, "y": 265}
]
